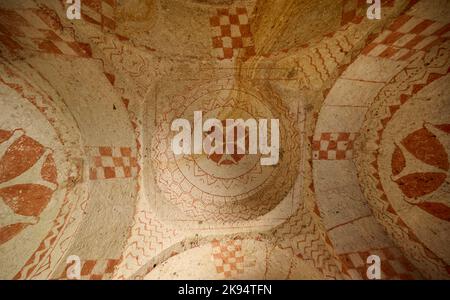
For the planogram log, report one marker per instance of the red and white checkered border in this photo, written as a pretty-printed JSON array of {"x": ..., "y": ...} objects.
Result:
[
  {"x": 112, "y": 162},
  {"x": 333, "y": 146},
  {"x": 228, "y": 257},
  {"x": 231, "y": 33}
]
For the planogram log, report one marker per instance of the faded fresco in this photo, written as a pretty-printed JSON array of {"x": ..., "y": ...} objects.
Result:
[{"x": 87, "y": 166}]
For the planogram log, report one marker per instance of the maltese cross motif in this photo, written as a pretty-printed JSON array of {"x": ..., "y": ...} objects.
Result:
[
  {"x": 225, "y": 158},
  {"x": 27, "y": 181}
]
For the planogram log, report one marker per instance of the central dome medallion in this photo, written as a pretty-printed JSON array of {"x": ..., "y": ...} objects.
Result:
[{"x": 224, "y": 186}]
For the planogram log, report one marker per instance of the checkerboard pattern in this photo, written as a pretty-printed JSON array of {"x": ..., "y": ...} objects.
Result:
[
  {"x": 406, "y": 36},
  {"x": 100, "y": 13},
  {"x": 94, "y": 269},
  {"x": 231, "y": 33},
  {"x": 228, "y": 257},
  {"x": 112, "y": 162},
  {"x": 393, "y": 264},
  {"x": 38, "y": 30},
  {"x": 333, "y": 146}
]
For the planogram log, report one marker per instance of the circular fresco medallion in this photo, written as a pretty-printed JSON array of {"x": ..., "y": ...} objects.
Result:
[
  {"x": 39, "y": 201},
  {"x": 414, "y": 164},
  {"x": 403, "y": 161},
  {"x": 225, "y": 186}
]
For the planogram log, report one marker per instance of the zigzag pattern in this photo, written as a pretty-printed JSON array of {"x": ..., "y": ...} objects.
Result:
[
  {"x": 304, "y": 238},
  {"x": 148, "y": 238}
]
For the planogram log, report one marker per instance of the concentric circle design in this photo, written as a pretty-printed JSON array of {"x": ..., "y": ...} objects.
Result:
[
  {"x": 415, "y": 163},
  {"x": 403, "y": 161},
  {"x": 225, "y": 186}
]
